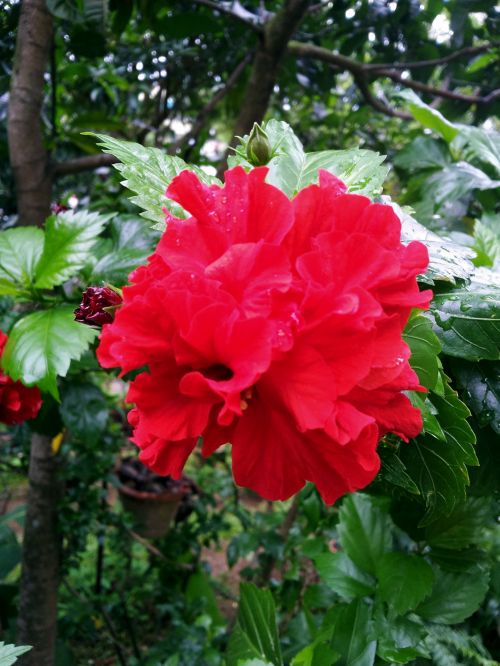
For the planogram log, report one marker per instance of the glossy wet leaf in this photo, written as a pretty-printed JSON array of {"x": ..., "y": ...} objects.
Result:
[
  {"x": 42, "y": 345},
  {"x": 467, "y": 323},
  {"x": 148, "y": 172},
  {"x": 69, "y": 239}
]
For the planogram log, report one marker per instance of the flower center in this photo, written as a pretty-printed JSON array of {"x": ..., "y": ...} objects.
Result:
[{"x": 218, "y": 372}]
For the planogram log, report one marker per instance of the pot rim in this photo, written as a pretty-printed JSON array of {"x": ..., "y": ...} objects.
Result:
[{"x": 165, "y": 496}]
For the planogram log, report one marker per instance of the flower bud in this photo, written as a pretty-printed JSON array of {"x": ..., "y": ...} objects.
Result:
[
  {"x": 259, "y": 150},
  {"x": 57, "y": 208},
  {"x": 98, "y": 306}
]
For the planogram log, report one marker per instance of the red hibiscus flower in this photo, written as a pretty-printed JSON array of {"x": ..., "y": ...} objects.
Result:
[
  {"x": 18, "y": 403},
  {"x": 273, "y": 325}
]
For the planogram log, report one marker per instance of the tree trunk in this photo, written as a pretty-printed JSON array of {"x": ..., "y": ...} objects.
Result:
[
  {"x": 40, "y": 566},
  {"x": 267, "y": 61},
  {"x": 28, "y": 156}
]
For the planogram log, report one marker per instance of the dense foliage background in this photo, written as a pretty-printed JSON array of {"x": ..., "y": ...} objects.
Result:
[{"x": 406, "y": 572}]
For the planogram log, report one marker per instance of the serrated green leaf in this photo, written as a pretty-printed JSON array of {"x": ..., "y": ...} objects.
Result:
[
  {"x": 291, "y": 169},
  {"x": 343, "y": 576},
  {"x": 393, "y": 471},
  {"x": 20, "y": 252},
  {"x": 467, "y": 323},
  {"x": 456, "y": 181},
  {"x": 422, "y": 153},
  {"x": 256, "y": 632},
  {"x": 399, "y": 640},
  {"x": 478, "y": 144},
  {"x": 427, "y": 116},
  {"x": 439, "y": 468},
  {"x": 429, "y": 414},
  {"x": 69, "y": 238},
  {"x": 364, "y": 531},
  {"x": 89, "y": 423},
  {"x": 353, "y": 637},
  {"x": 10, "y": 653},
  {"x": 454, "y": 597},
  {"x": 404, "y": 581},
  {"x": 42, "y": 345},
  {"x": 425, "y": 348},
  {"x": 486, "y": 245},
  {"x": 464, "y": 527},
  {"x": 130, "y": 243},
  {"x": 448, "y": 261},
  {"x": 148, "y": 172}
]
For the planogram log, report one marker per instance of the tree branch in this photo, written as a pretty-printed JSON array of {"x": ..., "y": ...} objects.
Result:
[
  {"x": 225, "y": 8},
  {"x": 203, "y": 115},
  {"x": 361, "y": 70},
  {"x": 469, "y": 50},
  {"x": 86, "y": 163},
  {"x": 272, "y": 47},
  {"x": 377, "y": 103}
]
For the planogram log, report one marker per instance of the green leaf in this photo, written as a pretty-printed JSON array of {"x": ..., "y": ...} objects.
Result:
[
  {"x": 364, "y": 531},
  {"x": 425, "y": 348},
  {"x": 404, "y": 581},
  {"x": 487, "y": 245},
  {"x": 291, "y": 169},
  {"x": 130, "y": 243},
  {"x": 482, "y": 61},
  {"x": 256, "y": 632},
  {"x": 399, "y": 640},
  {"x": 448, "y": 261},
  {"x": 89, "y": 423},
  {"x": 42, "y": 345},
  {"x": 353, "y": 634},
  {"x": 200, "y": 594},
  {"x": 467, "y": 323},
  {"x": 10, "y": 551},
  {"x": 393, "y": 471},
  {"x": 465, "y": 526},
  {"x": 429, "y": 415},
  {"x": 454, "y": 596},
  {"x": 427, "y": 116},
  {"x": 480, "y": 383},
  {"x": 422, "y": 153},
  {"x": 69, "y": 238},
  {"x": 20, "y": 252},
  {"x": 148, "y": 172},
  {"x": 317, "y": 653},
  {"x": 476, "y": 143},
  {"x": 456, "y": 181},
  {"x": 10, "y": 653},
  {"x": 343, "y": 576},
  {"x": 439, "y": 468}
]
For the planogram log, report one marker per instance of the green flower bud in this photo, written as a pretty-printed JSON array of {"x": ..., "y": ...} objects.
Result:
[{"x": 258, "y": 148}]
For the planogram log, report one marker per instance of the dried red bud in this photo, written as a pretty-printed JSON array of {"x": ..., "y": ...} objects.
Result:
[{"x": 98, "y": 306}]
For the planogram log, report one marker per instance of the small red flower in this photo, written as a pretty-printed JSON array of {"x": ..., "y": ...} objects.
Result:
[
  {"x": 18, "y": 403},
  {"x": 97, "y": 306},
  {"x": 275, "y": 326}
]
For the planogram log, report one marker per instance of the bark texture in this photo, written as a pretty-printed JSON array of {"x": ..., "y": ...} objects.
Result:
[
  {"x": 273, "y": 46},
  {"x": 40, "y": 566},
  {"x": 28, "y": 156}
]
